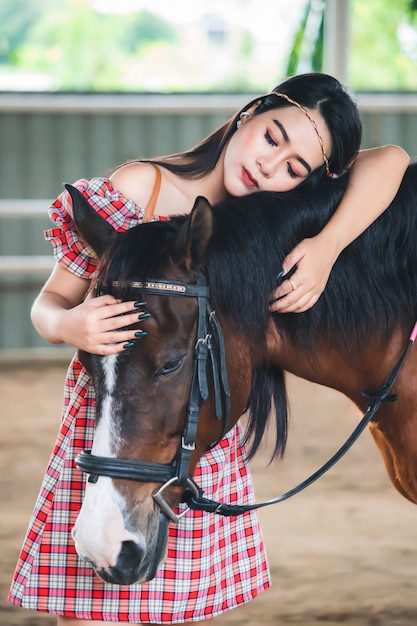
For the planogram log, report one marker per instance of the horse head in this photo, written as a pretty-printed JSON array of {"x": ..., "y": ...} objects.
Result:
[{"x": 147, "y": 405}]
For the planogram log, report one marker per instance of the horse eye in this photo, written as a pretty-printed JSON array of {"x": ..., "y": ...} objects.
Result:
[{"x": 169, "y": 367}]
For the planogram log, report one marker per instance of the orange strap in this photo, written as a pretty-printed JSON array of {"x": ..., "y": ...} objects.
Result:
[{"x": 150, "y": 207}]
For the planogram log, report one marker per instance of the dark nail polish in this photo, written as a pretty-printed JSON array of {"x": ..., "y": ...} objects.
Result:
[
  {"x": 138, "y": 304},
  {"x": 129, "y": 344},
  {"x": 280, "y": 274},
  {"x": 141, "y": 333},
  {"x": 142, "y": 316}
]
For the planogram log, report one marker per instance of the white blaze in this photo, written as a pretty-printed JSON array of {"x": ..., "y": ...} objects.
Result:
[
  {"x": 100, "y": 528},
  {"x": 105, "y": 434}
]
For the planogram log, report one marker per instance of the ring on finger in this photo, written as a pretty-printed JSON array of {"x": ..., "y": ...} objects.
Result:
[{"x": 293, "y": 284}]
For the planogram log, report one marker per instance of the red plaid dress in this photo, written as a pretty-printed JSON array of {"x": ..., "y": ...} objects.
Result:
[{"x": 214, "y": 563}]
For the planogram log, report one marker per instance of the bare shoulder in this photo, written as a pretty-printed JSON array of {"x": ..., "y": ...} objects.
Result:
[{"x": 135, "y": 181}]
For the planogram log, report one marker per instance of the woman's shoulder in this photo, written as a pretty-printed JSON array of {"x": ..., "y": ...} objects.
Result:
[
  {"x": 135, "y": 180},
  {"x": 105, "y": 198}
]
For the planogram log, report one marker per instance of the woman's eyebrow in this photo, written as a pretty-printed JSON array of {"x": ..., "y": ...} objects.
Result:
[{"x": 286, "y": 139}]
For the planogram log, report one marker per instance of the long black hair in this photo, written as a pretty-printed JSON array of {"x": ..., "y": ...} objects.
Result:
[{"x": 314, "y": 91}]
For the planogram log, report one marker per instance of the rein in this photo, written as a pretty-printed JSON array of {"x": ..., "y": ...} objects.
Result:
[
  {"x": 210, "y": 350},
  {"x": 376, "y": 398}
]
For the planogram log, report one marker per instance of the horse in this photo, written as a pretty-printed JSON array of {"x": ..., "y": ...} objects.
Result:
[{"x": 214, "y": 350}]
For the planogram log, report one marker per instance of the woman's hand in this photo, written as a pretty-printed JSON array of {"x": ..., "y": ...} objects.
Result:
[
  {"x": 374, "y": 179},
  {"x": 62, "y": 314},
  {"x": 312, "y": 262},
  {"x": 99, "y": 325}
]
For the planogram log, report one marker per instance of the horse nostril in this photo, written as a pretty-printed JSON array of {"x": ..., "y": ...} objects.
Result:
[
  {"x": 126, "y": 570},
  {"x": 130, "y": 556}
]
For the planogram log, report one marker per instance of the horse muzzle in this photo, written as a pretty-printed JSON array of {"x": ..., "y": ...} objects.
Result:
[
  {"x": 133, "y": 564},
  {"x": 124, "y": 545}
]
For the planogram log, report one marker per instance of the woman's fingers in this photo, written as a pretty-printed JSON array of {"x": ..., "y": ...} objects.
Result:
[
  {"x": 289, "y": 304},
  {"x": 108, "y": 306},
  {"x": 100, "y": 325},
  {"x": 114, "y": 347},
  {"x": 301, "y": 287},
  {"x": 114, "y": 317},
  {"x": 293, "y": 296},
  {"x": 112, "y": 313}
]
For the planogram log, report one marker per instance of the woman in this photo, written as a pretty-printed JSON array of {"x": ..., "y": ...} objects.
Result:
[{"x": 307, "y": 128}]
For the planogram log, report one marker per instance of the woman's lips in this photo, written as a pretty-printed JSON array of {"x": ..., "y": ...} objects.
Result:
[{"x": 248, "y": 179}]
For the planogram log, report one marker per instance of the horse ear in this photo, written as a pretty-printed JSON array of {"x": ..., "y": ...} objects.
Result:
[
  {"x": 95, "y": 230},
  {"x": 198, "y": 231}
]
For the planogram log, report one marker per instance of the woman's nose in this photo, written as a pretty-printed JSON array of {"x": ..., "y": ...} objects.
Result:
[
  {"x": 261, "y": 166},
  {"x": 266, "y": 166}
]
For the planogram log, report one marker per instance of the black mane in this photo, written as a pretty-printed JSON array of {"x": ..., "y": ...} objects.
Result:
[{"x": 372, "y": 288}]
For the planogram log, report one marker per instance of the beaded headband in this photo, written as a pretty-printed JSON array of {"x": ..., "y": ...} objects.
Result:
[{"x": 313, "y": 123}]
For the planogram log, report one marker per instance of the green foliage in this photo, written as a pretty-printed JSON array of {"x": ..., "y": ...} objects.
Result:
[
  {"x": 246, "y": 44},
  {"x": 66, "y": 45},
  {"x": 74, "y": 48},
  {"x": 144, "y": 28},
  {"x": 295, "y": 53},
  {"x": 78, "y": 48},
  {"x": 383, "y": 46},
  {"x": 16, "y": 19},
  {"x": 307, "y": 49},
  {"x": 317, "y": 58}
]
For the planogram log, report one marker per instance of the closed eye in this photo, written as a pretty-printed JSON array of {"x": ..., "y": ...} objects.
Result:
[
  {"x": 270, "y": 139},
  {"x": 291, "y": 171}
]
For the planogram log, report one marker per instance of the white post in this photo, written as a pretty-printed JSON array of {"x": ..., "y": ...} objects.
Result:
[{"x": 336, "y": 39}]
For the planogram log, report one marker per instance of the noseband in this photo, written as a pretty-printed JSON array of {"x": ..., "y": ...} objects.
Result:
[{"x": 209, "y": 352}]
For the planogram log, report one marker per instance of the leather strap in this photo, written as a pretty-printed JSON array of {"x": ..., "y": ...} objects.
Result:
[
  {"x": 123, "y": 468},
  {"x": 150, "y": 207}
]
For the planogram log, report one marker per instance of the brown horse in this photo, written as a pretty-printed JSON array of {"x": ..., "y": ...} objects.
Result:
[{"x": 148, "y": 440}]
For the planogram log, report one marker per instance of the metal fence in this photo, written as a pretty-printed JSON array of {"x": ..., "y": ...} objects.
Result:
[{"x": 46, "y": 140}]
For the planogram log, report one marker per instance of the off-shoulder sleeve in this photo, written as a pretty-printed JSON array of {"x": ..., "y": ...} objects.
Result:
[{"x": 68, "y": 245}]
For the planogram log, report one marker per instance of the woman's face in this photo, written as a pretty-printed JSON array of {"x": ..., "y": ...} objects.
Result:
[{"x": 274, "y": 151}]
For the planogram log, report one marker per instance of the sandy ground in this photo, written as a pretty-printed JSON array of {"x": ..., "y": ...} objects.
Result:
[{"x": 342, "y": 552}]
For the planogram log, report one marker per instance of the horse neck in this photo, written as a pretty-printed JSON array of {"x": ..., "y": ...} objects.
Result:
[{"x": 336, "y": 367}]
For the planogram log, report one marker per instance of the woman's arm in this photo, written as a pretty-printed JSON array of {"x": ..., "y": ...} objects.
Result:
[
  {"x": 374, "y": 179},
  {"x": 61, "y": 315}
]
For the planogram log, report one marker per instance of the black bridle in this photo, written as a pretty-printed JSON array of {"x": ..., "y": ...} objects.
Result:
[
  {"x": 209, "y": 349},
  {"x": 209, "y": 357}
]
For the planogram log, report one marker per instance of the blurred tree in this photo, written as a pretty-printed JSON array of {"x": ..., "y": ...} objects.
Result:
[
  {"x": 77, "y": 48},
  {"x": 86, "y": 51},
  {"x": 16, "y": 19},
  {"x": 307, "y": 51},
  {"x": 143, "y": 28},
  {"x": 383, "y": 43}
]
